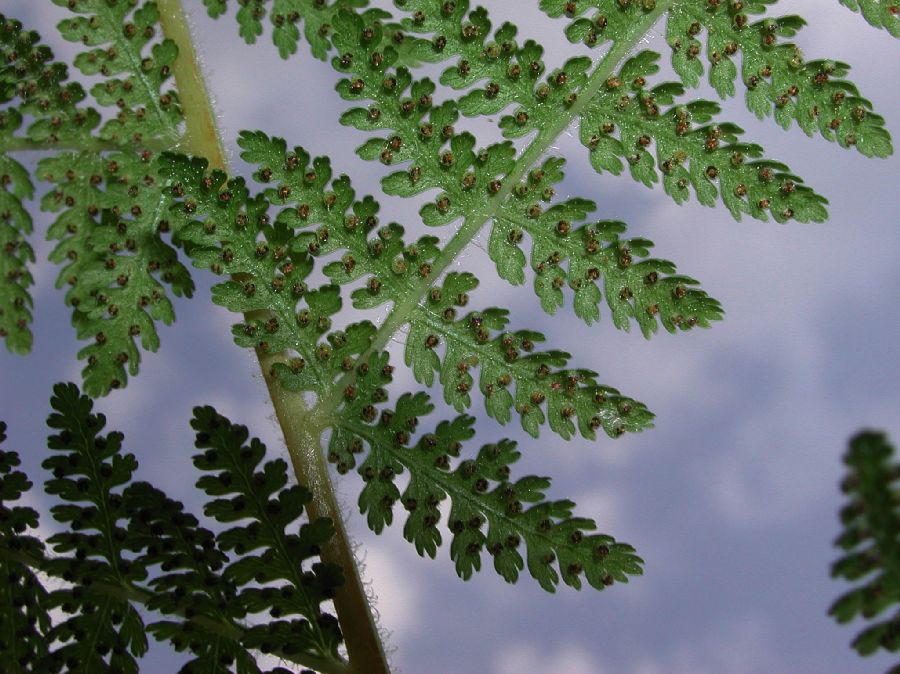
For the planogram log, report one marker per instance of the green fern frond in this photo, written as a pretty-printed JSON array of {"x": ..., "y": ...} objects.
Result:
[
  {"x": 879, "y": 13},
  {"x": 480, "y": 340},
  {"x": 15, "y": 255},
  {"x": 272, "y": 274},
  {"x": 338, "y": 363},
  {"x": 692, "y": 149},
  {"x": 32, "y": 87},
  {"x": 467, "y": 178},
  {"x": 129, "y": 545},
  {"x": 317, "y": 17},
  {"x": 122, "y": 35},
  {"x": 778, "y": 80},
  {"x": 582, "y": 258},
  {"x": 480, "y": 491},
  {"x": 114, "y": 261},
  {"x": 871, "y": 541}
]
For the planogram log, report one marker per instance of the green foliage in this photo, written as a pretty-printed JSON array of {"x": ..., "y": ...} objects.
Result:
[
  {"x": 120, "y": 179},
  {"x": 871, "y": 542},
  {"x": 480, "y": 491},
  {"x": 778, "y": 79},
  {"x": 272, "y": 263},
  {"x": 317, "y": 17},
  {"x": 129, "y": 545},
  {"x": 880, "y": 13},
  {"x": 114, "y": 262}
]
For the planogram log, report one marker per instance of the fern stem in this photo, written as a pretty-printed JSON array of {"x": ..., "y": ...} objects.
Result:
[
  {"x": 301, "y": 433},
  {"x": 473, "y": 224}
]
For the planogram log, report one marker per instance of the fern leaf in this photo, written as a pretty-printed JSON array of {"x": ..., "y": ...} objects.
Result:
[
  {"x": 113, "y": 260},
  {"x": 480, "y": 340},
  {"x": 262, "y": 496},
  {"x": 24, "y": 621},
  {"x": 104, "y": 632},
  {"x": 488, "y": 510},
  {"x": 272, "y": 274},
  {"x": 191, "y": 584},
  {"x": 123, "y": 41},
  {"x": 692, "y": 149},
  {"x": 879, "y": 13},
  {"x": 871, "y": 543},
  {"x": 778, "y": 79},
  {"x": 316, "y": 16},
  {"x": 112, "y": 255},
  {"x": 128, "y": 544},
  {"x": 582, "y": 258},
  {"x": 31, "y": 86},
  {"x": 468, "y": 178},
  {"x": 15, "y": 255}
]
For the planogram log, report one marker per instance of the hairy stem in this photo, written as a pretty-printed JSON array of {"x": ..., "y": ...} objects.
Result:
[
  {"x": 402, "y": 311},
  {"x": 301, "y": 433}
]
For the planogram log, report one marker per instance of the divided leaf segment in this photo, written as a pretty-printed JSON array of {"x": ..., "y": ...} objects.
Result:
[{"x": 120, "y": 180}]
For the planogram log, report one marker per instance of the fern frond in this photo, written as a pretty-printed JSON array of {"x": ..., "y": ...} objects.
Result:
[
  {"x": 89, "y": 472},
  {"x": 879, "y": 13},
  {"x": 15, "y": 256},
  {"x": 129, "y": 544},
  {"x": 468, "y": 179},
  {"x": 480, "y": 340},
  {"x": 480, "y": 492},
  {"x": 259, "y": 493},
  {"x": 328, "y": 220},
  {"x": 581, "y": 258},
  {"x": 122, "y": 35},
  {"x": 271, "y": 272},
  {"x": 24, "y": 620},
  {"x": 33, "y": 87},
  {"x": 109, "y": 224},
  {"x": 871, "y": 541},
  {"x": 191, "y": 585},
  {"x": 778, "y": 80},
  {"x": 113, "y": 259},
  {"x": 317, "y": 17},
  {"x": 692, "y": 149}
]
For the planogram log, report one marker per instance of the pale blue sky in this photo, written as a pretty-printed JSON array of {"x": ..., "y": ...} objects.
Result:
[{"x": 731, "y": 499}]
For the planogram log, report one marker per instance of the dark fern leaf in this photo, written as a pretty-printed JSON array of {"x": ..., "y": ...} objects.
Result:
[
  {"x": 274, "y": 580},
  {"x": 870, "y": 541},
  {"x": 103, "y": 632},
  {"x": 189, "y": 583},
  {"x": 24, "y": 620}
]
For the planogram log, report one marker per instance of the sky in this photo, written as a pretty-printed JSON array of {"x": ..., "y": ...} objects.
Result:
[{"x": 731, "y": 499}]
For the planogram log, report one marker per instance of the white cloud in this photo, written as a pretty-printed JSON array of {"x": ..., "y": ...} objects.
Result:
[{"x": 526, "y": 658}]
